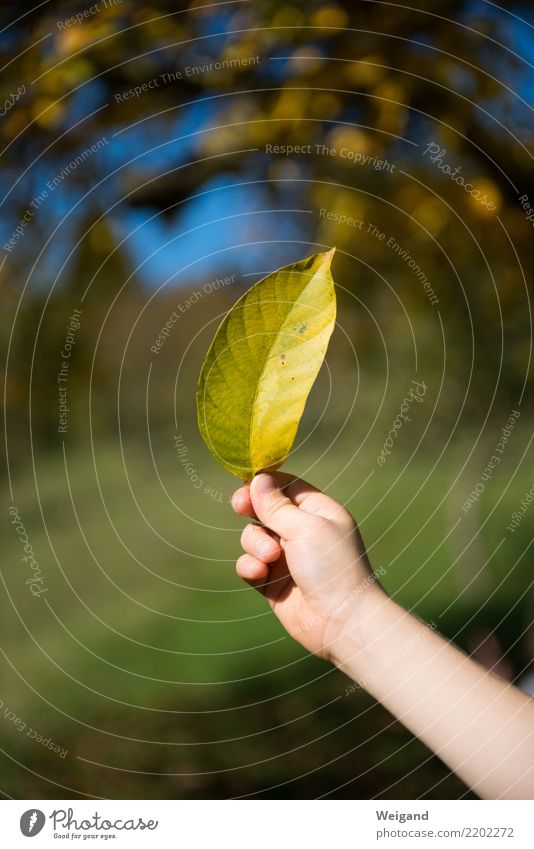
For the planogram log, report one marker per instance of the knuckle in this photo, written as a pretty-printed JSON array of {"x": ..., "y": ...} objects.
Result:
[
  {"x": 346, "y": 521},
  {"x": 247, "y": 533},
  {"x": 274, "y": 501}
]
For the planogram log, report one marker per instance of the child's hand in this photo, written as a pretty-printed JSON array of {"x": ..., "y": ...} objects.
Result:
[
  {"x": 308, "y": 560},
  {"x": 310, "y": 563}
]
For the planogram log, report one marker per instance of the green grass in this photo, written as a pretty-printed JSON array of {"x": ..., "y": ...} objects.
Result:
[{"x": 144, "y": 607}]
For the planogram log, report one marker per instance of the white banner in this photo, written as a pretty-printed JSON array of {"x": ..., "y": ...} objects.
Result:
[{"x": 267, "y": 824}]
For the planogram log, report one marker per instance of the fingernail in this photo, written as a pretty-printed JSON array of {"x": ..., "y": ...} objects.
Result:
[{"x": 264, "y": 483}]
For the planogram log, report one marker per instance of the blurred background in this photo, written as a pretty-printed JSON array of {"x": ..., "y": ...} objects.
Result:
[{"x": 155, "y": 163}]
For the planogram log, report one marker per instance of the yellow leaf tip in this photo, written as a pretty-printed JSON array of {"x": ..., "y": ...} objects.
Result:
[{"x": 328, "y": 257}]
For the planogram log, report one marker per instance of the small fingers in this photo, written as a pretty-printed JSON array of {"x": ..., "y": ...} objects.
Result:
[
  {"x": 241, "y": 502},
  {"x": 252, "y": 570},
  {"x": 258, "y": 542}
]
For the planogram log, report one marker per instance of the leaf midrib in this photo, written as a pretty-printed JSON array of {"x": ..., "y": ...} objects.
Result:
[{"x": 294, "y": 304}]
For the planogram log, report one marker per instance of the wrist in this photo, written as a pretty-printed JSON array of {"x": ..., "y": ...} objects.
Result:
[{"x": 357, "y": 629}]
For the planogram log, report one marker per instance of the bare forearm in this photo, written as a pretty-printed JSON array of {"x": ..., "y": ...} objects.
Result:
[{"x": 479, "y": 725}]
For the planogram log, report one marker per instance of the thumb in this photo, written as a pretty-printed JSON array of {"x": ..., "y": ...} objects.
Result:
[{"x": 273, "y": 507}]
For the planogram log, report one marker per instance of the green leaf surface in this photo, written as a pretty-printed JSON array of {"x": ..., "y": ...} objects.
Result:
[{"x": 262, "y": 364}]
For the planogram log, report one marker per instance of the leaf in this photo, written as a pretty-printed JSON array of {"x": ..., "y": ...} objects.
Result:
[{"x": 262, "y": 364}]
